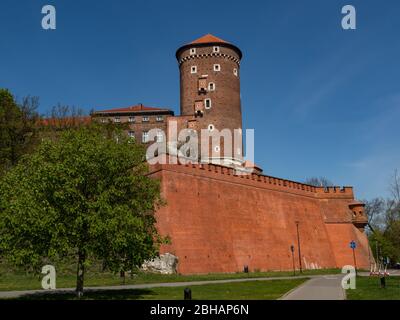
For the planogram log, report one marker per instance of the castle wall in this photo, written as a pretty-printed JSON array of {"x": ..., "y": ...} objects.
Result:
[{"x": 219, "y": 222}]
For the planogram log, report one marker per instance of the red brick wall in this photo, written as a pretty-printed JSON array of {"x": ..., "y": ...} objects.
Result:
[{"x": 219, "y": 222}]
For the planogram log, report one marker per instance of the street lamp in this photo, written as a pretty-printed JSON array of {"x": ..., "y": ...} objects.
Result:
[
  {"x": 298, "y": 244},
  {"x": 294, "y": 266}
]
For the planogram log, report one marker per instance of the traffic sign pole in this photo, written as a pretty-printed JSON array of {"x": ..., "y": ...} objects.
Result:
[
  {"x": 354, "y": 257},
  {"x": 353, "y": 246}
]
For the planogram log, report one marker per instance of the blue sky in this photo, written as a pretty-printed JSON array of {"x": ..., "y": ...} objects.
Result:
[{"x": 323, "y": 101}]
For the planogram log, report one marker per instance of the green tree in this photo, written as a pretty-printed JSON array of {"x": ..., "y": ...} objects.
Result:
[
  {"x": 384, "y": 223},
  {"x": 17, "y": 128},
  {"x": 86, "y": 195}
]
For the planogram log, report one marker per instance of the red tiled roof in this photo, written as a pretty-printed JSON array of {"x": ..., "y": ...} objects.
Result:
[
  {"x": 208, "y": 38},
  {"x": 136, "y": 108}
]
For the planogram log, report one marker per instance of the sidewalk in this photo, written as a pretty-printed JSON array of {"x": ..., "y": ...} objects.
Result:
[{"x": 321, "y": 288}]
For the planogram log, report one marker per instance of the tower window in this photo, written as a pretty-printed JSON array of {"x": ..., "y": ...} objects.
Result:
[
  {"x": 207, "y": 103},
  {"x": 193, "y": 69},
  {"x": 117, "y": 119},
  {"x": 216, "y": 49},
  {"x": 217, "y": 67},
  {"x": 145, "y": 119},
  {"x": 131, "y": 119},
  {"x": 202, "y": 84},
  {"x": 145, "y": 136},
  {"x": 211, "y": 127},
  {"x": 235, "y": 72},
  {"x": 192, "y": 51},
  {"x": 211, "y": 86}
]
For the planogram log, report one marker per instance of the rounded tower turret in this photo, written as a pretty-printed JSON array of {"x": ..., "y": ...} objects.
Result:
[{"x": 210, "y": 89}]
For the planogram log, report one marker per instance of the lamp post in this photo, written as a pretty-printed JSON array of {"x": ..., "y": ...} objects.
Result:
[
  {"x": 298, "y": 244},
  {"x": 294, "y": 266}
]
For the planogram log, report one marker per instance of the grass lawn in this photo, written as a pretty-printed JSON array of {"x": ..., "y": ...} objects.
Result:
[
  {"x": 368, "y": 288},
  {"x": 17, "y": 280},
  {"x": 256, "y": 290}
]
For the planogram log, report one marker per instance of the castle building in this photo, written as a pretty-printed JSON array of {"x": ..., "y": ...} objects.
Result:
[
  {"x": 140, "y": 119},
  {"x": 221, "y": 221},
  {"x": 210, "y": 91}
]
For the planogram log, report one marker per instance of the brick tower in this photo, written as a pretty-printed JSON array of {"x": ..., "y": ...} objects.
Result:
[{"x": 210, "y": 92}]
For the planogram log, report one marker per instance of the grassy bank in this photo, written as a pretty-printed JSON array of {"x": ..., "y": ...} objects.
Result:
[
  {"x": 368, "y": 288},
  {"x": 18, "y": 280},
  {"x": 255, "y": 290}
]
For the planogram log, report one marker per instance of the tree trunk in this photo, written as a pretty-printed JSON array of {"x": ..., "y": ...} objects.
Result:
[{"x": 80, "y": 272}]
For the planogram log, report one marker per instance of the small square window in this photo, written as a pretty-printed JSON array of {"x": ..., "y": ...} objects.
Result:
[
  {"x": 216, "y": 49},
  {"x": 117, "y": 119},
  {"x": 145, "y": 119},
  {"x": 193, "y": 69},
  {"x": 160, "y": 136},
  {"x": 131, "y": 119},
  {"x": 217, "y": 67},
  {"x": 159, "y": 118},
  {"x": 211, "y": 86},
  {"x": 193, "y": 51}
]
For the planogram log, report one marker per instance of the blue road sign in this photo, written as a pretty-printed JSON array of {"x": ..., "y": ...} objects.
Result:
[{"x": 353, "y": 244}]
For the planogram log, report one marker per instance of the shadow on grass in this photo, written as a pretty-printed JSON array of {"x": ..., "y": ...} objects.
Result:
[{"x": 92, "y": 294}]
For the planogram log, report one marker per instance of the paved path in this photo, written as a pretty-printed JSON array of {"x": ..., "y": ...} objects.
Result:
[
  {"x": 17, "y": 294},
  {"x": 319, "y": 288}
]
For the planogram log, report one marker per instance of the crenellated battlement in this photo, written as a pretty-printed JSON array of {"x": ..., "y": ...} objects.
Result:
[
  {"x": 261, "y": 181},
  {"x": 329, "y": 192}
]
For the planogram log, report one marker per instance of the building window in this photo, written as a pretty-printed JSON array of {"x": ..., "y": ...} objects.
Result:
[
  {"x": 216, "y": 49},
  {"x": 193, "y": 69},
  {"x": 159, "y": 118},
  {"x": 160, "y": 136},
  {"x": 131, "y": 119},
  {"x": 117, "y": 119},
  {"x": 202, "y": 84},
  {"x": 216, "y": 148},
  {"x": 207, "y": 103},
  {"x": 131, "y": 134},
  {"x": 145, "y": 119},
  {"x": 192, "y": 51},
  {"x": 217, "y": 67},
  {"x": 211, "y": 86},
  {"x": 235, "y": 72},
  {"x": 145, "y": 136},
  {"x": 239, "y": 151},
  {"x": 103, "y": 120},
  {"x": 211, "y": 127}
]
